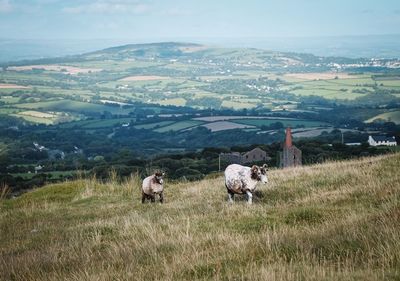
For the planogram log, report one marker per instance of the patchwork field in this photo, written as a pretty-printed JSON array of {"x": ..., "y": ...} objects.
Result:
[
  {"x": 285, "y": 122},
  {"x": 343, "y": 87},
  {"x": 168, "y": 75}
]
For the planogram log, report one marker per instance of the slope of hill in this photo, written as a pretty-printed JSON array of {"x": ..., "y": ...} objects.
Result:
[{"x": 335, "y": 221}]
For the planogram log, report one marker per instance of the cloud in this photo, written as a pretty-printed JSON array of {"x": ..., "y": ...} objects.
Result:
[
  {"x": 109, "y": 7},
  {"x": 176, "y": 12},
  {"x": 5, "y": 6}
]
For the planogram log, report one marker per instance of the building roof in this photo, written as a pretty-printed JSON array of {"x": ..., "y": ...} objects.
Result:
[
  {"x": 383, "y": 138},
  {"x": 254, "y": 149}
]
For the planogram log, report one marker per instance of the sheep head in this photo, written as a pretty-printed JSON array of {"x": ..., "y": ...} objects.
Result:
[
  {"x": 260, "y": 173},
  {"x": 158, "y": 176}
]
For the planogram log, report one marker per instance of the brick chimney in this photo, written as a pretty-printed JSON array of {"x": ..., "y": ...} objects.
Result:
[{"x": 288, "y": 141}]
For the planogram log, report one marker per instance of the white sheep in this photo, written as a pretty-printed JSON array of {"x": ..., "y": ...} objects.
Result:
[
  {"x": 243, "y": 180},
  {"x": 153, "y": 185}
]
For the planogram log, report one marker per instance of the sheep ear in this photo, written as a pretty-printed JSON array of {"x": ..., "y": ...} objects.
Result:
[{"x": 163, "y": 174}]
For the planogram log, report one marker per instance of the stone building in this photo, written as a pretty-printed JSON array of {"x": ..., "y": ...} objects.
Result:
[
  {"x": 252, "y": 156},
  {"x": 291, "y": 155}
]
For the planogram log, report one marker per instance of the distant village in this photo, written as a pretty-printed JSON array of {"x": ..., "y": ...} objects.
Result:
[{"x": 290, "y": 156}]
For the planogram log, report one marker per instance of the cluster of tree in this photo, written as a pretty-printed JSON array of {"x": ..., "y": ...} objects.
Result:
[{"x": 192, "y": 165}]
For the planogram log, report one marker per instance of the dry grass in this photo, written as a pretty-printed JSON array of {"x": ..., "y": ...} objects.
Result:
[
  {"x": 336, "y": 221},
  {"x": 4, "y": 191}
]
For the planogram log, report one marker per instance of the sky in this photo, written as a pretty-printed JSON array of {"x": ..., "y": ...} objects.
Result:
[{"x": 154, "y": 20}]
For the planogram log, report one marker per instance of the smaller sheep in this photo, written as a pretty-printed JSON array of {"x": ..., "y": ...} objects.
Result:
[
  {"x": 243, "y": 180},
  {"x": 153, "y": 185}
]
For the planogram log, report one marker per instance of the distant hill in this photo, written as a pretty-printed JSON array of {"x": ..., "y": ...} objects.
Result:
[
  {"x": 381, "y": 46},
  {"x": 335, "y": 221}
]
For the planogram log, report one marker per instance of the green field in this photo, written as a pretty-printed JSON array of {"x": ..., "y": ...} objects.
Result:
[
  {"x": 35, "y": 119},
  {"x": 98, "y": 123},
  {"x": 393, "y": 116},
  {"x": 339, "y": 88},
  {"x": 154, "y": 125},
  {"x": 178, "y": 126},
  {"x": 238, "y": 105}
]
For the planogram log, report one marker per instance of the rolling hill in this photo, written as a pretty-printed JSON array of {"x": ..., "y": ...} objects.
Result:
[{"x": 333, "y": 221}]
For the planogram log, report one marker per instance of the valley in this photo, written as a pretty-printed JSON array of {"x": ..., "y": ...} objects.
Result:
[{"x": 132, "y": 105}]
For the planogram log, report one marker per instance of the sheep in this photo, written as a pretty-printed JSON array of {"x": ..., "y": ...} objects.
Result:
[
  {"x": 241, "y": 179},
  {"x": 153, "y": 185}
]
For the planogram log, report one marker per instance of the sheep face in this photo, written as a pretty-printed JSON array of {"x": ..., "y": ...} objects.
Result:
[
  {"x": 158, "y": 176},
  {"x": 260, "y": 173}
]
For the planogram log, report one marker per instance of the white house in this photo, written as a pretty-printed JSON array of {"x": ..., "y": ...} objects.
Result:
[{"x": 381, "y": 140}]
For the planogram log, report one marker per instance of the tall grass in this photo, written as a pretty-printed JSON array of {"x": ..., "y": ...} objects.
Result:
[
  {"x": 4, "y": 191},
  {"x": 334, "y": 221}
]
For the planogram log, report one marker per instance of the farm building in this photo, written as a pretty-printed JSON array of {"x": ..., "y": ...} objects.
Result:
[
  {"x": 291, "y": 155},
  {"x": 252, "y": 156},
  {"x": 381, "y": 140}
]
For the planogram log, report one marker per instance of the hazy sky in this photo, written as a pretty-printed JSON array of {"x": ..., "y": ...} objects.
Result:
[{"x": 174, "y": 19}]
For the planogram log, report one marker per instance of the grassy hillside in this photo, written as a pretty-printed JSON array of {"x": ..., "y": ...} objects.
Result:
[{"x": 336, "y": 221}]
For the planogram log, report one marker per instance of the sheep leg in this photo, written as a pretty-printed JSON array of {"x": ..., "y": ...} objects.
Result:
[
  {"x": 143, "y": 197},
  {"x": 152, "y": 198},
  {"x": 161, "y": 197},
  {"x": 230, "y": 196},
  {"x": 249, "y": 197}
]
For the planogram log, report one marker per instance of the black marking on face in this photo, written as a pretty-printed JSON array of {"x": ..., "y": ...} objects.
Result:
[
  {"x": 158, "y": 177},
  {"x": 264, "y": 169},
  {"x": 255, "y": 173}
]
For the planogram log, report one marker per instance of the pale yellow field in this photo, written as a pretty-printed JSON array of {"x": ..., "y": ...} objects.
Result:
[
  {"x": 144, "y": 78},
  {"x": 12, "y": 86},
  {"x": 73, "y": 70},
  {"x": 318, "y": 76},
  {"x": 174, "y": 101},
  {"x": 37, "y": 114}
]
